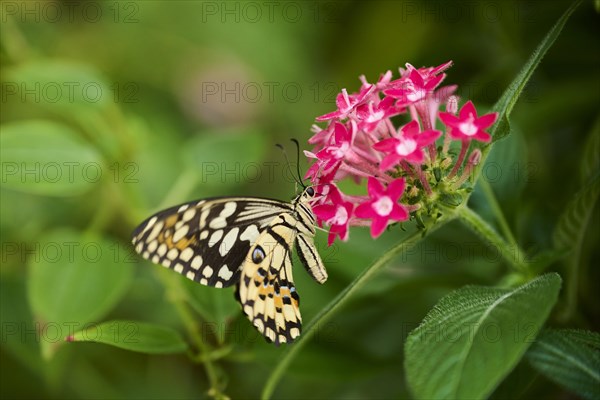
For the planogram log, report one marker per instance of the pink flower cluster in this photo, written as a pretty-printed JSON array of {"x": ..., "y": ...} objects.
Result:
[{"x": 403, "y": 166}]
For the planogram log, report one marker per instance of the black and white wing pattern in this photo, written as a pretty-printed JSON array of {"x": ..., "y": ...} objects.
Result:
[
  {"x": 244, "y": 240},
  {"x": 266, "y": 289},
  {"x": 207, "y": 240}
]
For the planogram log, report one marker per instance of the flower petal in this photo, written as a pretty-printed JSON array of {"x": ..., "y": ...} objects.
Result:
[
  {"x": 398, "y": 213},
  {"x": 389, "y": 161},
  {"x": 428, "y": 137},
  {"x": 375, "y": 188},
  {"x": 324, "y": 211},
  {"x": 386, "y": 144},
  {"x": 486, "y": 120},
  {"x": 364, "y": 210},
  {"x": 416, "y": 157},
  {"x": 467, "y": 110},
  {"x": 378, "y": 226},
  {"x": 411, "y": 129},
  {"x": 483, "y": 136},
  {"x": 396, "y": 188},
  {"x": 448, "y": 119}
]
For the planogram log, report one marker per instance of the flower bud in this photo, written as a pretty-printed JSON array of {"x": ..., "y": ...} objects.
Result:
[
  {"x": 446, "y": 162},
  {"x": 413, "y": 192},
  {"x": 475, "y": 157},
  {"x": 452, "y": 104}
]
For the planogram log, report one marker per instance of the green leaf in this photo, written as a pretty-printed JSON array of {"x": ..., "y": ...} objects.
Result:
[
  {"x": 47, "y": 158},
  {"x": 75, "y": 279},
  {"x": 507, "y": 101},
  {"x": 565, "y": 357},
  {"x": 59, "y": 85},
  {"x": 570, "y": 231},
  {"x": 227, "y": 157},
  {"x": 506, "y": 168},
  {"x": 17, "y": 324},
  {"x": 217, "y": 306},
  {"x": 572, "y": 224},
  {"x": 545, "y": 258},
  {"x": 590, "y": 162},
  {"x": 591, "y": 339},
  {"x": 475, "y": 327},
  {"x": 132, "y": 335}
]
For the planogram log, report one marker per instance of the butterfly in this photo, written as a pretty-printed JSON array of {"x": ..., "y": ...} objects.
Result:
[{"x": 246, "y": 241}]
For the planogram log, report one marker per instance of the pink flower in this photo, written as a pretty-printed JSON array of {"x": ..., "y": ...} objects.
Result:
[
  {"x": 407, "y": 146},
  {"x": 431, "y": 71},
  {"x": 336, "y": 213},
  {"x": 383, "y": 205},
  {"x": 361, "y": 139},
  {"x": 321, "y": 136},
  {"x": 382, "y": 83},
  {"x": 415, "y": 84},
  {"x": 339, "y": 148},
  {"x": 370, "y": 115},
  {"x": 467, "y": 125},
  {"x": 346, "y": 103}
]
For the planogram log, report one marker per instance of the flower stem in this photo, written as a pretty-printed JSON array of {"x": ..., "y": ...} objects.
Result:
[
  {"x": 174, "y": 290},
  {"x": 327, "y": 312},
  {"x": 493, "y": 202},
  {"x": 446, "y": 146},
  {"x": 421, "y": 174},
  {"x": 432, "y": 153},
  {"x": 511, "y": 253},
  {"x": 461, "y": 158}
]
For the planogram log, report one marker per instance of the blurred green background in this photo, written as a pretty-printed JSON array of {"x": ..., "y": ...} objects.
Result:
[{"x": 113, "y": 110}]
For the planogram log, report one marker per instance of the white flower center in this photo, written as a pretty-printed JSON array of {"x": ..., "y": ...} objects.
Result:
[
  {"x": 406, "y": 146},
  {"x": 340, "y": 217},
  {"x": 416, "y": 95},
  {"x": 468, "y": 127},
  {"x": 383, "y": 206},
  {"x": 339, "y": 152},
  {"x": 375, "y": 116}
]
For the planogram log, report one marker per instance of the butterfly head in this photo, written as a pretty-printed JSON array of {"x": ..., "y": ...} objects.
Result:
[{"x": 308, "y": 195}]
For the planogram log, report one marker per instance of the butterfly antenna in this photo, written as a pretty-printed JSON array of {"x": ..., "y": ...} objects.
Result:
[
  {"x": 288, "y": 162},
  {"x": 298, "y": 162}
]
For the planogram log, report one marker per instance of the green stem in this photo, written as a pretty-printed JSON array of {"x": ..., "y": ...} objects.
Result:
[
  {"x": 493, "y": 202},
  {"x": 181, "y": 188},
  {"x": 179, "y": 191},
  {"x": 106, "y": 210},
  {"x": 342, "y": 298},
  {"x": 571, "y": 287},
  {"x": 174, "y": 290},
  {"x": 512, "y": 254},
  {"x": 13, "y": 41}
]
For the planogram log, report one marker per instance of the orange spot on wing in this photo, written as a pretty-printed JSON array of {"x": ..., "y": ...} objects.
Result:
[
  {"x": 171, "y": 220},
  {"x": 184, "y": 242},
  {"x": 278, "y": 301}
]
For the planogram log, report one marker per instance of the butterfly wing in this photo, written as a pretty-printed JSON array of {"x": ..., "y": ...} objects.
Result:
[
  {"x": 309, "y": 256},
  {"x": 266, "y": 289},
  {"x": 206, "y": 240}
]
